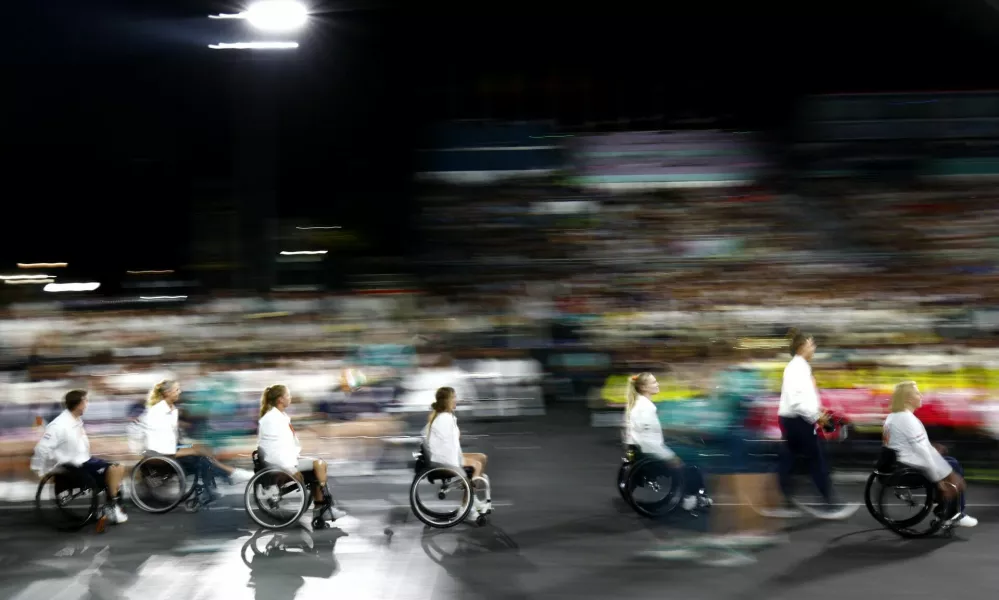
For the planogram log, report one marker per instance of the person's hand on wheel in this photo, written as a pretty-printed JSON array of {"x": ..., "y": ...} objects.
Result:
[
  {"x": 947, "y": 489},
  {"x": 823, "y": 420},
  {"x": 676, "y": 463},
  {"x": 956, "y": 480},
  {"x": 951, "y": 485}
]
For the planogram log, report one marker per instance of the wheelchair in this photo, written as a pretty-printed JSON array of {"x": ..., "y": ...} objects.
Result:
[
  {"x": 893, "y": 485},
  {"x": 433, "y": 485},
  {"x": 74, "y": 497},
  {"x": 276, "y": 499},
  {"x": 161, "y": 483},
  {"x": 642, "y": 475}
]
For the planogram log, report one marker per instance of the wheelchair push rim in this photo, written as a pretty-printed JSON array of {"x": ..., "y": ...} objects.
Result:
[
  {"x": 622, "y": 480},
  {"x": 158, "y": 484},
  {"x": 275, "y": 499},
  {"x": 57, "y": 490},
  {"x": 448, "y": 481}
]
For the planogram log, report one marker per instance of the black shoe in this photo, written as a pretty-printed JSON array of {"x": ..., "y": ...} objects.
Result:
[{"x": 210, "y": 495}]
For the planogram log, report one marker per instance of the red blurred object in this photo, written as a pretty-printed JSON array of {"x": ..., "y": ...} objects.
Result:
[{"x": 867, "y": 407}]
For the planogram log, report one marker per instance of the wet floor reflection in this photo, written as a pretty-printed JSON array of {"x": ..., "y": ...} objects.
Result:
[{"x": 279, "y": 562}]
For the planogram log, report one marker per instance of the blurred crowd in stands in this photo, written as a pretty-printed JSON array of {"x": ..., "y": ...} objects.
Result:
[{"x": 532, "y": 290}]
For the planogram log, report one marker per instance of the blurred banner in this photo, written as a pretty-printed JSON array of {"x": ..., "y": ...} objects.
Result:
[
  {"x": 944, "y": 135},
  {"x": 647, "y": 160},
  {"x": 486, "y": 152}
]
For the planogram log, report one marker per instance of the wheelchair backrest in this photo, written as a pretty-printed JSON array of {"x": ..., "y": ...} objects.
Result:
[
  {"x": 887, "y": 460},
  {"x": 632, "y": 453},
  {"x": 422, "y": 459},
  {"x": 258, "y": 461}
]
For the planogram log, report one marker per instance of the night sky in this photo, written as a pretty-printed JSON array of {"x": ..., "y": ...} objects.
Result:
[{"x": 119, "y": 123}]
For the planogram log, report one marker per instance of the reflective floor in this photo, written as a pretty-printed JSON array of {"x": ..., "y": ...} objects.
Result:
[{"x": 558, "y": 531}]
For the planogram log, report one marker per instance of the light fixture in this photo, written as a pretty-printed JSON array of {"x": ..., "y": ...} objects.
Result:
[
  {"x": 255, "y": 46},
  {"x": 72, "y": 287},
  {"x": 277, "y": 15},
  {"x": 24, "y": 277}
]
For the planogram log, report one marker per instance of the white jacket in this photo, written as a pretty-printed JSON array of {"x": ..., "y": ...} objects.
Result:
[
  {"x": 798, "y": 396},
  {"x": 443, "y": 440},
  {"x": 160, "y": 427},
  {"x": 642, "y": 429},
  {"x": 64, "y": 442},
  {"x": 277, "y": 440},
  {"x": 904, "y": 433}
]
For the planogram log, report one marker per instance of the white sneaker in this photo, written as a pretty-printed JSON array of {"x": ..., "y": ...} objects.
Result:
[
  {"x": 240, "y": 476},
  {"x": 338, "y": 513},
  {"x": 118, "y": 515},
  {"x": 689, "y": 503},
  {"x": 837, "y": 512},
  {"x": 966, "y": 521}
]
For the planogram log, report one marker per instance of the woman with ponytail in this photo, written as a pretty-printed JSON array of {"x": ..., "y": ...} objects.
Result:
[
  {"x": 442, "y": 441},
  {"x": 278, "y": 445},
  {"x": 160, "y": 427},
  {"x": 643, "y": 429}
]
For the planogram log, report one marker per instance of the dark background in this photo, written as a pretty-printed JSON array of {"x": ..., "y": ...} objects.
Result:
[{"x": 123, "y": 134}]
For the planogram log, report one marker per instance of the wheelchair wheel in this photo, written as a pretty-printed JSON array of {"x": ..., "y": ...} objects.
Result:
[
  {"x": 653, "y": 488},
  {"x": 908, "y": 491},
  {"x": 159, "y": 484},
  {"x": 67, "y": 499},
  {"x": 441, "y": 496},
  {"x": 872, "y": 495},
  {"x": 275, "y": 499},
  {"x": 622, "y": 480}
]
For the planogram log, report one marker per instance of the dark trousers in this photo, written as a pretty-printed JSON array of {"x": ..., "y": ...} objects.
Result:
[
  {"x": 200, "y": 465},
  {"x": 802, "y": 441},
  {"x": 693, "y": 481},
  {"x": 959, "y": 470}
]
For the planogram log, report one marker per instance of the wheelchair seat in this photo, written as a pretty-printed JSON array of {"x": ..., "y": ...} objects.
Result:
[
  {"x": 469, "y": 471},
  {"x": 423, "y": 463}
]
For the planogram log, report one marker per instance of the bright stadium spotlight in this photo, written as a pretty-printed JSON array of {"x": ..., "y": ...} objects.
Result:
[{"x": 277, "y": 15}]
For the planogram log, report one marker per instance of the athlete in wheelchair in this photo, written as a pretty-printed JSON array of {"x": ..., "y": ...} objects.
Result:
[
  {"x": 285, "y": 484},
  {"x": 77, "y": 474},
  {"x": 444, "y": 472},
  {"x": 168, "y": 475},
  {"x": 913, "y": 474},
  {"x": 650, "y": 467}
]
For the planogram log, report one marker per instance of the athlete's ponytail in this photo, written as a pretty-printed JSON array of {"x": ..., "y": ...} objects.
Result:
[
  {"x": 443, "y": 402},
  {"x": 158, "y": 393},
  {"x": 636, "y": 383},
  {"x": 270, "y": 397}
]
